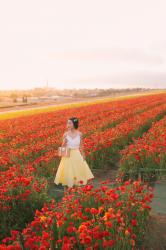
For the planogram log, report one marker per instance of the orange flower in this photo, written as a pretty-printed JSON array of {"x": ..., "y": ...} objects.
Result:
[
  {"x": 82, "y": 228},
  {"x": 132, "y": 242}
]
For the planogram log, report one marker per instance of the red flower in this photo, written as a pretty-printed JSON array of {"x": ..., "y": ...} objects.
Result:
[
  {"x": 108, "y": 243},
  {"x": 134, "y": 223},
  {"x": 108, "y": 224},
  {"x": 94, "y": 210}
]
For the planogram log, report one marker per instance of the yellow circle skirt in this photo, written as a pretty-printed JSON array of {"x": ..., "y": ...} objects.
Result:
[{"x": 73, "y": 169}]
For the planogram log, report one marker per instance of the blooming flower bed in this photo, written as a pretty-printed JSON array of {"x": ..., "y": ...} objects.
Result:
[
  {"x": 147, "y": 152},
  {"x": 88, "y": 218},
  {"x": 21, "y": 193}
]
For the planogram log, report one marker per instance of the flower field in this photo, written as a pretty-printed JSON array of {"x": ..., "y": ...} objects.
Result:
[{"x": 129, "y": 133}]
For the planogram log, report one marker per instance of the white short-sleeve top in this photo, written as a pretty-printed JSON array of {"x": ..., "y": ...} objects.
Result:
[{"x": 73, "y": 142}]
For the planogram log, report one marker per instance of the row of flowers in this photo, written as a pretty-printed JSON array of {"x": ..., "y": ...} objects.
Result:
[
  {"x": 112, "y": 216},
  {"x": 21, "y": 193},
  {"x": 147, "y": 152}
]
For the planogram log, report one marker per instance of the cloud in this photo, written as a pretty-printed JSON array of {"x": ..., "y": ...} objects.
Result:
[
  {"x": 114, "y": 55},
  {"x": 145, "y": 79}
]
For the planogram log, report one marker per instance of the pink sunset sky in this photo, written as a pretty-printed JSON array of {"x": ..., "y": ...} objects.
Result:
[{"x": 82, "y": 44}]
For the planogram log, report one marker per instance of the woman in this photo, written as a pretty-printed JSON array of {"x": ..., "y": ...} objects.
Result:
[{"x": 73, "y": 170}]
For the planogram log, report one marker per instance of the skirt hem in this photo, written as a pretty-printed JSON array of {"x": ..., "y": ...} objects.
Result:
[{"x": 73, "y": 170}]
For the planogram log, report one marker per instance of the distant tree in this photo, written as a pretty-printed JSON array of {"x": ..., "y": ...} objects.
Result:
[
  {"x": 24, "y": 98},
  {"x": 14, "y": 97}
]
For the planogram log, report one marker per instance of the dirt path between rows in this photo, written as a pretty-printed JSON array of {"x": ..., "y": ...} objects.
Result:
[{"x": 155, "y": 238}]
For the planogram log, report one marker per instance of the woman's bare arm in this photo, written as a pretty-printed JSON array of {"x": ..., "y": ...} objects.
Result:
[{"x": 64, "y": 140}]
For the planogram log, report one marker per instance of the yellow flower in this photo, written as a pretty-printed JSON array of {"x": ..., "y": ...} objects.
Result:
[{"x": 43, "y": 218}]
